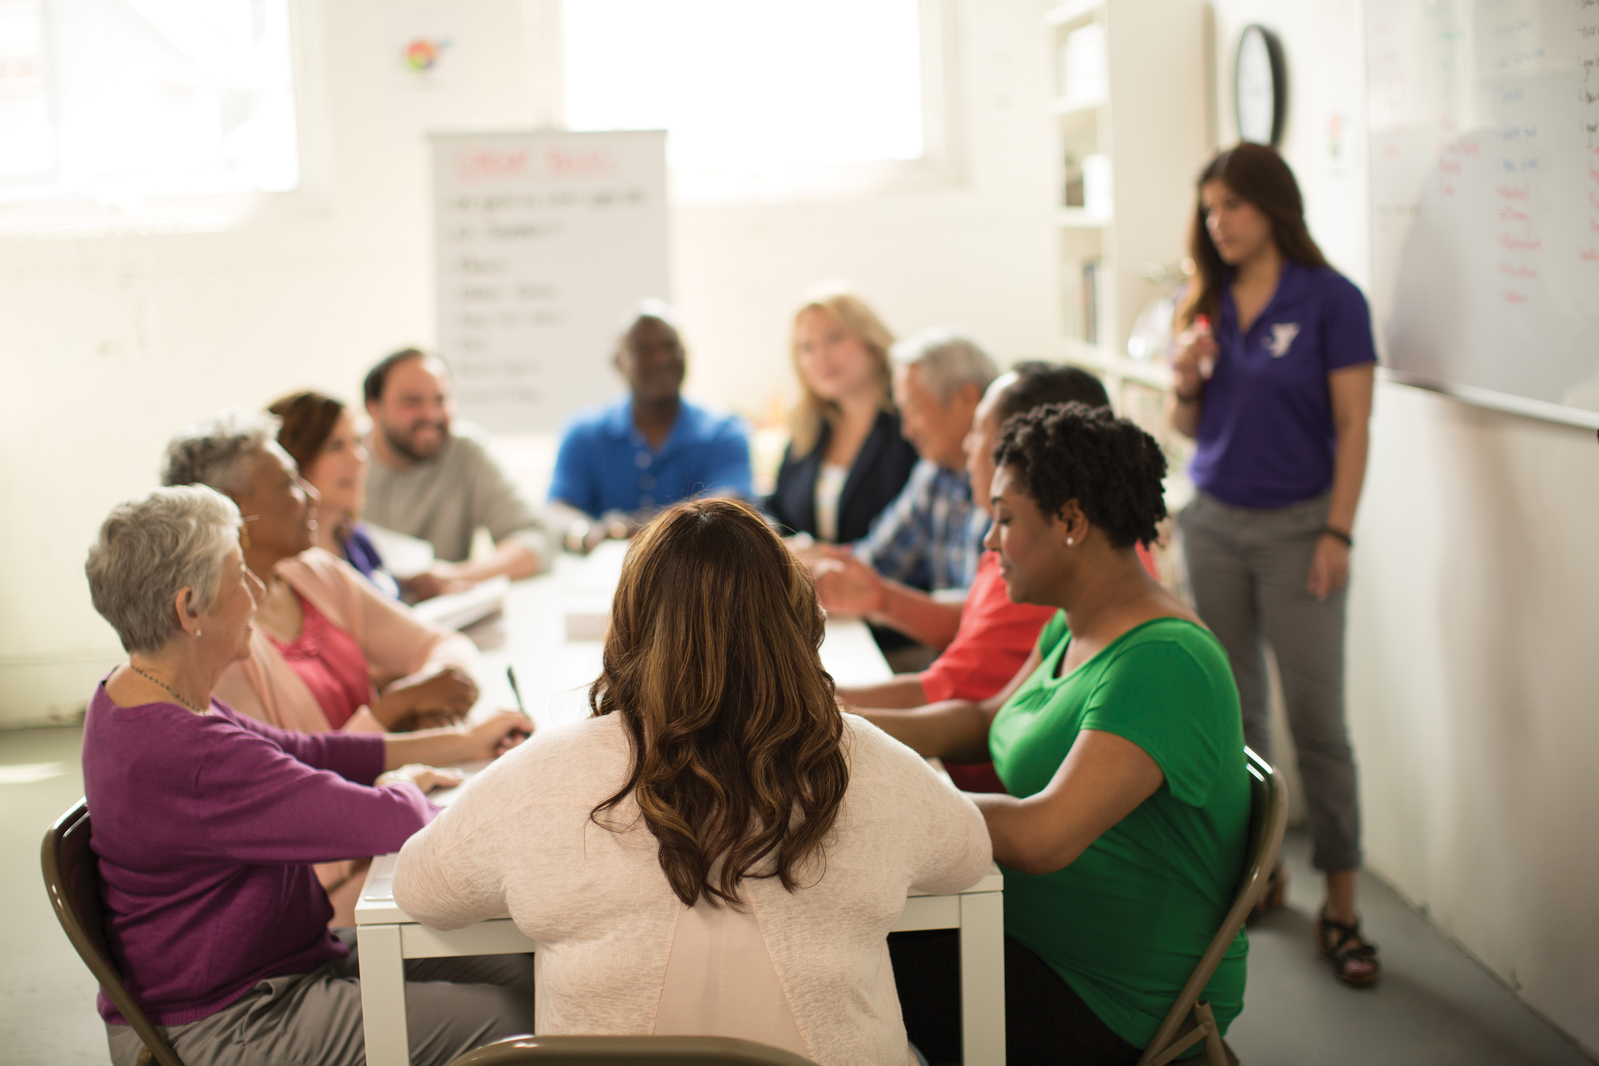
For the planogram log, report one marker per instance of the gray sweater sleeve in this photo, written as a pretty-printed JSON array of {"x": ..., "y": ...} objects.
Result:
[{"x": 499, "y": 505}]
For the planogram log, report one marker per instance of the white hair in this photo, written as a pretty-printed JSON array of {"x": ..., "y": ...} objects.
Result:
[
  {"x": 149, "y": 550},
  {"x": 948, "y": 361},
  {"x": 215, "y": 452}
]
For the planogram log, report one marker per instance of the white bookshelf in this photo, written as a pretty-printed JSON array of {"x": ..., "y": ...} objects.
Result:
[
  {"x": 1143, "y": 108},
  {"x": 1148, "y": 115}
]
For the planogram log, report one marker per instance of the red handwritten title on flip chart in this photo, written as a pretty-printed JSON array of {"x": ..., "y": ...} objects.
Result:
[{"x": 487, "y": 164}]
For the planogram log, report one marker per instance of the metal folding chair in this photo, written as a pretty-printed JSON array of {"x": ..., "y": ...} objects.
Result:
[
  {"x": 1189, "y": 1021},
  {"x": 72, "y": 877}
]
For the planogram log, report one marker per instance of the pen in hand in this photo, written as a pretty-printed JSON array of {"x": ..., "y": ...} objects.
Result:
[{"x": 516, "y": 690}]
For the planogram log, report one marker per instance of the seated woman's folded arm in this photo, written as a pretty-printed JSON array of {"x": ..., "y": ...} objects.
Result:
[
  {"x": 402, "y": 650},
  {"x": 267, "y": 806},
  {"x": 399, "y": 643},
  {"x": 1103, "y": 779}
]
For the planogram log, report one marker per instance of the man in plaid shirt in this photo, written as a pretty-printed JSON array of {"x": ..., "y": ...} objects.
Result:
[{"x": 931, "y": 536}]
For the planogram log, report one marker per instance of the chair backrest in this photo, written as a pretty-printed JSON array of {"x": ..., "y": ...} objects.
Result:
[
  {"x": 629, "y": 1051},
  {"x": 1268, "y": 819},
  {"x": 72, "y": 878}
]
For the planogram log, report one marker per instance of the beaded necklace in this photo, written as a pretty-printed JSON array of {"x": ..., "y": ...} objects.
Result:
[{"x": 176, "y": 694}]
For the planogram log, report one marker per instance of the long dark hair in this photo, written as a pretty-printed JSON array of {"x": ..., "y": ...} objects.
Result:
[
  {"x": 737, "y": 738},
  {"x": 1257, "y": 174}
]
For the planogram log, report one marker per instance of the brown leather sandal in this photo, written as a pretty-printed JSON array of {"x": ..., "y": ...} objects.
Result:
[
  {"x": 1347, "y": 952},
  {"x": 1273, "y": 897}
]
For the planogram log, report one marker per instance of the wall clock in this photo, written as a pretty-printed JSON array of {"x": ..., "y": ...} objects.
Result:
[{"x": 1260, "y": 86}]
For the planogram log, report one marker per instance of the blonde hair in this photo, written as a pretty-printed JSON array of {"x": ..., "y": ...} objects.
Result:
[{"x": 857, "y": 318}]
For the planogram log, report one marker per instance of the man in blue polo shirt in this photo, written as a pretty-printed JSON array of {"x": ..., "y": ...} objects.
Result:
[{"x": 621, "y": 462}]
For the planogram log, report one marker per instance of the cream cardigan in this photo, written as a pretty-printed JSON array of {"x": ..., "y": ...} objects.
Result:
[
  {"x": 397, "y": 646},
  {"x": 617, "y": 950}
]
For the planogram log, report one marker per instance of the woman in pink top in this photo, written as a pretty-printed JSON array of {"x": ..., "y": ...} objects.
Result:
[
  {"x": 325, "y": 639},
  {"x": 719, "y": 849},
  {"x": 324, "y": 634}
]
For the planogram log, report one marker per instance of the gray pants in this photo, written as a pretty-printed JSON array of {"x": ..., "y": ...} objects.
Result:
[
  {"x": 1248, "y": 568},
  {"x": 314, "y": 1019}
]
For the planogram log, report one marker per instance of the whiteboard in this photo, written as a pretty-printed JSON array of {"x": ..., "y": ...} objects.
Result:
[
  {"x": 542, "y": 241},
  {"x": 1484, "y": 120}
]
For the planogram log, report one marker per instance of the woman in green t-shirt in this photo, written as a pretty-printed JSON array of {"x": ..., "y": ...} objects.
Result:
[{"x": 1120, "y": 744}]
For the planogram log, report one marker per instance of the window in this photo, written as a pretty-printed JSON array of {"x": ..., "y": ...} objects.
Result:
[
  {"x": 139, "y": 107},
  {"x": 763, "y": 98}
]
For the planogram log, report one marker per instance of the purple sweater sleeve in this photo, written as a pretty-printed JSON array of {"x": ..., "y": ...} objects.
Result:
[
  {"x": 353, "y": 756},
  {"x": 278, "y": 797}
]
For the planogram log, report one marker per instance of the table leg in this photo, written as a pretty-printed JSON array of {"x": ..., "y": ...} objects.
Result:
[
  {"x": 983, "y": 978},
  {"x": 383, "y": 995}
]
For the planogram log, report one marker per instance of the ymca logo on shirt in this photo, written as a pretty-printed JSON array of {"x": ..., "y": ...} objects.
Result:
[{"x": 1282, "y": 335}]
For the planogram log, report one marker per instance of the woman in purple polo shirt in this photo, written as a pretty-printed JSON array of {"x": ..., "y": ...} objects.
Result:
[
  {"x": 207, "y": 823},
  {"x": 1273, "y": 379}
]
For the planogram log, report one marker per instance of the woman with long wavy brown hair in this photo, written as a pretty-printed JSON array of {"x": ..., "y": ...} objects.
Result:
[{"x": 719, "y": 849}]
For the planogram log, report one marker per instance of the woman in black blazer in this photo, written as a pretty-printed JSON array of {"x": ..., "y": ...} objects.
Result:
[{"x": 846, "y": 460}]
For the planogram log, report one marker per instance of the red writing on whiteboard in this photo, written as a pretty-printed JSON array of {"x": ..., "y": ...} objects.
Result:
[
  {"x": 488, "y": 165},
  {"x": 1463, "y": 148},
  {"x": 1521, "y": 244},
  {"x": 1510, "y": 214},
  {"x": 1516, "y": 270},
  {"x": 1446, "y": 190},
  {"x": 1588, "y": 255},
  {"x": 1511, "y": 297},
  {"x": 591, "y": 163},
  {"x": 1514, "y": 192},
  {"x": 1448, "y": 166}
]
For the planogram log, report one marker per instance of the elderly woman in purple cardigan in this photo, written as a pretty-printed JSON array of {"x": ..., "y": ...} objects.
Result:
[{"x": 207, "y": 823}]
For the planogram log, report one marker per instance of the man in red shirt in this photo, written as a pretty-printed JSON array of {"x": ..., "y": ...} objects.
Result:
[{"x": 984, "y": 637}]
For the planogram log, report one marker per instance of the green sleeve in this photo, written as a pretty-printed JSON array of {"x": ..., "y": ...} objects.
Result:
[{"x": 1158, "y": 695}]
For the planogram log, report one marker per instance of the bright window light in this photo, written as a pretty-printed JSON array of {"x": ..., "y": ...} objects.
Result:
[
  {"x": 120, "y": 101},
  {"x": 750, "y": 86}
]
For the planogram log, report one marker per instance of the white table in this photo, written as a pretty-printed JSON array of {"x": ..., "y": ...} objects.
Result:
[{"x": 553, "y": 673}]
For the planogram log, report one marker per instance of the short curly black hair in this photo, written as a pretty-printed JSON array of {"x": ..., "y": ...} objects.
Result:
[{"x": 1070, "y": 451}]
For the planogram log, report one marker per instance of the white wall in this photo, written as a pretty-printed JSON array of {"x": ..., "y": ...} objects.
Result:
[
  {"x": 1472, "y": 680},
  {"x": 117, "y": 341},
  {"x": 975, "y": 255}
]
